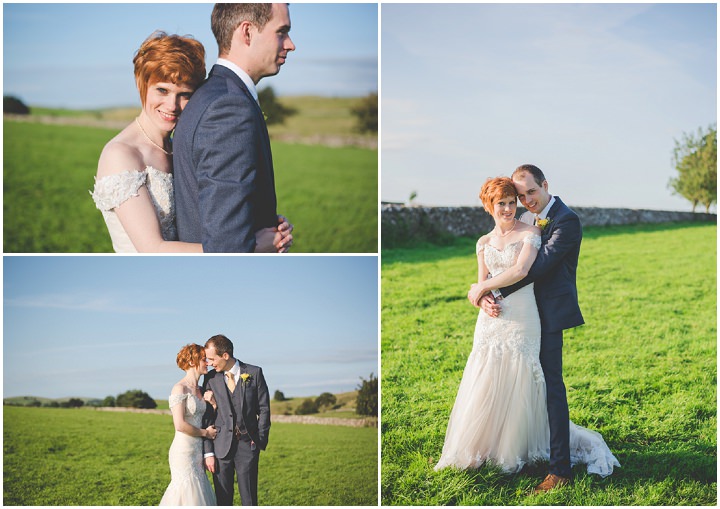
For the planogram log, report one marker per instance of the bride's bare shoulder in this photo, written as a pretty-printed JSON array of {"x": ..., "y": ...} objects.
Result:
[
  {"x": 527, "y": 228},
  {"x": 119, "y": 154},
  {"x": 482, "y": 241}
]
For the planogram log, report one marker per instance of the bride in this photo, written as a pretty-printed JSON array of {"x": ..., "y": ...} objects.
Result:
[
  {"x": 134, "y": 182},
  {"x": 500, "y": 413},
  {"x": 189, "y": 484}
]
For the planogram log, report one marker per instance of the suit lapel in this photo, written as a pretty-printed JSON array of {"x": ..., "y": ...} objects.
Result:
[
  {"x": 545, "y": 232},
  {"x": 240, "y": 388}
]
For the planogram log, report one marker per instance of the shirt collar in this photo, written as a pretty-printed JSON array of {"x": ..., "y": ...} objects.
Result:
[
  {"x": 242, "y": 75},
  {"x": 544, "y": 213},
  {"x": 235, "y": 370}
]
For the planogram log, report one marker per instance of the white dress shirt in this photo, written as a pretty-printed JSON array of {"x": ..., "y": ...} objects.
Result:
[
  {"x": 544, "y": 213},
  {"x": 235, "y": 370},
  {"x": 242, "y": 75}
]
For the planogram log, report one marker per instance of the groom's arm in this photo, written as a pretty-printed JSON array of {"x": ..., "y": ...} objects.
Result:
[
  {"x": 226, "y": 172},
  {"x": 208, "y": 420},
  {"x": 566, "y": 236},
  {"x": 263, "y": 410}
]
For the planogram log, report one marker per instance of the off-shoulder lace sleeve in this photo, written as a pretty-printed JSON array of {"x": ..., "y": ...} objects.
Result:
[
  {"x": 479, "y": 247},
  {"x": 533, "y": 239},
  {"x": 111, "y": 191},
  {"x": 175, "y": 399}
]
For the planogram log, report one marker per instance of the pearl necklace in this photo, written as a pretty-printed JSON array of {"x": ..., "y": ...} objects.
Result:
[
  {"x": 507, "y": 232},
  {"x": 148, "y": 138}
]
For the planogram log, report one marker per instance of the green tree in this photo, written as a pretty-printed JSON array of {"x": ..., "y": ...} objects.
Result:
[
  {"x": 367, "y": 398},
  {"x": 274, "y": 111},
  {"x": 325, "y": 400},
  {"x": 135, "y": 399},
  {"x": 307, "y": 407},
  {"x": 108, "y": 401},
  {"x": 279, "y": 396},
  {"x": 695, "y": 159},
  {"x": 14, "y": 105},
  {"x": 366, "y": 113},
  {"x": 75, "y": 403}
]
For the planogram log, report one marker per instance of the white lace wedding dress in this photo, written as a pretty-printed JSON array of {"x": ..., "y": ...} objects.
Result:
[
  {"x": 189, "y": 484},
  {"x": 500, "y": 413},
  {"x": 113, "y": 190}
]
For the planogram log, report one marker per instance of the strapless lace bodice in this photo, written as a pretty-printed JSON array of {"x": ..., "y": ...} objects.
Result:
[{"x": 113, "y": 190}]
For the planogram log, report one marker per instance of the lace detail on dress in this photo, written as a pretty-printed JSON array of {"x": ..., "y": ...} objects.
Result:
[
  {"x": 479, "y": 247},
  {"x": 534, "y": 240},
  {"x": 500, "y": 412},
  {"x": 189, "y": 484},
  {"x": 499, "y": 260},
  {"x": 194, "y": 407},
  {"x": 112, "y": 191}
]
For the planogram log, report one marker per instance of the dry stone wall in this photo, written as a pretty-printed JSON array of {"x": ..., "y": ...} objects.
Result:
[{"x": 405, "y": 222}]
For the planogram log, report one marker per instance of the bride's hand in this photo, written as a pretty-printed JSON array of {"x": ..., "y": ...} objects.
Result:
[
  {"x": 210, "y": 398},
  {"x": 475, "y": 293},
  {"x": 283, "y": 236},
  {"x": 265, "y": 240},
  {"x": 210, "y": 432}
]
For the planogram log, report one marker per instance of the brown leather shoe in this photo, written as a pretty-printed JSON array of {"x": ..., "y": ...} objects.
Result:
[{"x": 552, "y": 481}]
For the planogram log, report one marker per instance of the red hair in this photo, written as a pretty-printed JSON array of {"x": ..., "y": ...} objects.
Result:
[
  {"x": 190, "y": 356},
  {"x": 169, "y": 58},
  {"x": 495, "y": 189}
]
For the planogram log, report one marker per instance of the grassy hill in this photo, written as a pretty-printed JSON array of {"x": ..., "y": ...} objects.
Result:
[
  {"x": 344, "y": 407},
  {"x": 319, "y": 120}
]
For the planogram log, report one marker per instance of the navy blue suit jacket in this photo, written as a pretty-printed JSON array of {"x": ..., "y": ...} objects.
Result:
[
  {"x": 224, "y": 179},
  {"x": 248, "y": 405},
  {"x": 554, "y": 271}
]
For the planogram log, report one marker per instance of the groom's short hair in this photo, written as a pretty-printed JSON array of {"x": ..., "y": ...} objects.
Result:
[
  {"x": 533, "y": 170},
  {"x": 221, "y": 343},
  {"x": 225, "y": 19}
]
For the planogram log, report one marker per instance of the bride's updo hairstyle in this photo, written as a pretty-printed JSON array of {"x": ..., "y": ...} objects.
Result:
[
  {"x": 170, "y": 59},
  {"x": 495, "y": 189},
  {"x": 190, "y": 356}
]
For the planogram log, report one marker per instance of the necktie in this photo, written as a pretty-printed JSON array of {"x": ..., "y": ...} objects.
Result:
[
  {"x": 230, "y": 381},
  {"x": 537, "y": 218}
]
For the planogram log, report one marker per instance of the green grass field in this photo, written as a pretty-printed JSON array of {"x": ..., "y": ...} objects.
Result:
[
  {"x": 329, "y": 194},
  {"x": 642, "y": 371},
  {"x": 344, "y": 407},
  {"x": 85, "y": 457}
]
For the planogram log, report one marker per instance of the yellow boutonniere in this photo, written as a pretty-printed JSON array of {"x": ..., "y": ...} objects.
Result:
[
  {"x": 542, "y": 223},
  {"x": 245, "y": 377}
]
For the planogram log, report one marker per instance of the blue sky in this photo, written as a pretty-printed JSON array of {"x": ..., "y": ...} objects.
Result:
[
  {"x": 92, "y": 326},
  {"x": 80, "y": 55},
  {"x": 593, "y": 94}
]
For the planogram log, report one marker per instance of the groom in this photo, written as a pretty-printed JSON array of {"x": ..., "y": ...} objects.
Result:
[
  {"x": 242, "y": 419},
  {"x": 224, "y": 179},
  {"x": 554, "y": 273}
]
